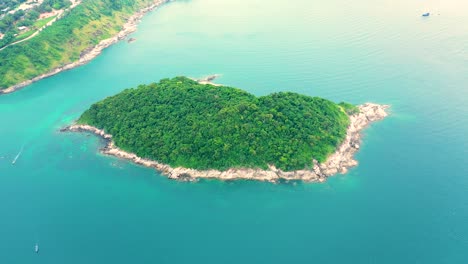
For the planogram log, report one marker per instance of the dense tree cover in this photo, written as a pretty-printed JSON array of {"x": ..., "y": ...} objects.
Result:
[
  {"x": 6, "y": 23},
  {"x": 64, "y": 41},
  {"x": 49, "y": 5},
  {"x": 6, "y": 39},
  {"x": 182, "y": 123}
]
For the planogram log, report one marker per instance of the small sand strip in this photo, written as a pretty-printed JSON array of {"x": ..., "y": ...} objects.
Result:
[
  {"x": 338, "y": 162},
  {"x": 86, "y": 56}
]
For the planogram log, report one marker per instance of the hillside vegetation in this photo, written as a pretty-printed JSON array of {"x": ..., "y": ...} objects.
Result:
[
  {"x": 183, "y": 123},
  {"x": 64, "y": 41}
]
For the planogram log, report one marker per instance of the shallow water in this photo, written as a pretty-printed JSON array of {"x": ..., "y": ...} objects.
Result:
[{"x": 405, "y": 203}]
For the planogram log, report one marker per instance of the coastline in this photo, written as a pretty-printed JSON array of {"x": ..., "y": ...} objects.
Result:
[
  {"x": 338, "y": 162},
  {"x": 208, "y": 80},
  {"x": 89, "y": 54}
]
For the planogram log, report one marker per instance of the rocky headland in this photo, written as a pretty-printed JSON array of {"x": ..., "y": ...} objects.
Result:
[
  {"x": 208, "y": 79},
  {"x": 338, "y": 162},
  {"x": 89, "y": 54}
]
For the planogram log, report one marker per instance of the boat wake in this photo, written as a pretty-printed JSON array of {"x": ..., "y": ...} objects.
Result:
[{"x": 17, "y": 155}]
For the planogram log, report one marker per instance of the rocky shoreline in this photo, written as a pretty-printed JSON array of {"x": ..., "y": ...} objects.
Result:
[
  {"x": 338, "y": 162},
  {"x": 89, "y": 54},
  {"x": 208, "y": 80}
]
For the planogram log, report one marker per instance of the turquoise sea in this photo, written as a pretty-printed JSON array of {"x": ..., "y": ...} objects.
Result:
[{"x": 407, "y": 201}]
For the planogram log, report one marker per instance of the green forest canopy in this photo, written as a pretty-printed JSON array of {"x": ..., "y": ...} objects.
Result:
[{"x": 183, "y": 123}]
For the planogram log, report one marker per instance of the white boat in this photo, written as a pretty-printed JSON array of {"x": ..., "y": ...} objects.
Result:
[{"x": 36, "y": 248}]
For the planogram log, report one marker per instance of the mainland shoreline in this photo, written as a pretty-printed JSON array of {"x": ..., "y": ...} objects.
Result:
[
  {"x": 89, "y": 54},
  {"x": 338, "y": 162}
]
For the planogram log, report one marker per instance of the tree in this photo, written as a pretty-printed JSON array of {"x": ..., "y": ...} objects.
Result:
[
  {"x": 8, "y": 20},
  {"x": 25, "y": 23},
  {"x": 3, "y": 26},
  {"x": 33, "y": 15},
  {"x": 9, "y": 36},
  {"x": 18, "y": 14}
]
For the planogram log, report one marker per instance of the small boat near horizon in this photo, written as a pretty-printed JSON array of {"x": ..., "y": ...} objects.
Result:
[
  {"x": 426, "y": 14},
  {"x": 36, "y": 248}
]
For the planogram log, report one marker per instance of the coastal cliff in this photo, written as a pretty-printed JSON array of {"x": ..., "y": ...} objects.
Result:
[{"x": 338, "y": 162}]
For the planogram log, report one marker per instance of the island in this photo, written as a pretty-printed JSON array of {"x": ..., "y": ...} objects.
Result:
[
  {"x": 189, "y": 130},
  {"x": 39, "y": 39}
]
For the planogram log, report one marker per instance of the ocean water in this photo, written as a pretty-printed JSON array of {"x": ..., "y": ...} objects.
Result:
[{"x": 406, "y": 202}]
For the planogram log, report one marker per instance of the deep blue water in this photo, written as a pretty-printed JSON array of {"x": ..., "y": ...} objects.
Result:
[{"x": 405, "y": 203}]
